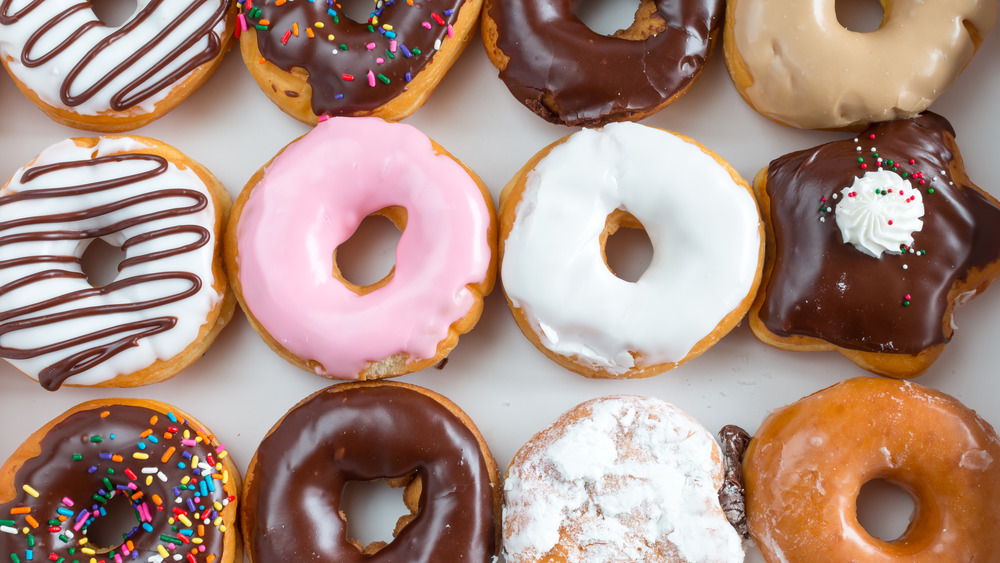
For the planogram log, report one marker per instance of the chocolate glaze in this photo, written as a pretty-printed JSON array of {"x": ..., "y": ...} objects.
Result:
[
  {"x": 327, "y": 71},
  {"x": 567, "y": 73},
  {"x": 55, "y": 475},
  {"x": 130, "y": 333},
  {"x": 139, "y": 89},
  {"x": 363, "y": 433},
  {"x": 824, "y": 288},
  {"x": 732, "y": 495}
]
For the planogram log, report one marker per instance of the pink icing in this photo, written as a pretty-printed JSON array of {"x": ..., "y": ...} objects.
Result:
[{"x": 313, "y": 197}]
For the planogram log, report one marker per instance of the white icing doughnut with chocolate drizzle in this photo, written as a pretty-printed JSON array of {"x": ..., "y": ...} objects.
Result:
[
  {"x": 170, "y": 296},
  {"x": 87, "y": 74}
]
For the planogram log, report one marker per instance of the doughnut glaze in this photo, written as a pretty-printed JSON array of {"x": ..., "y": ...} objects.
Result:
[
  {"x": 86, "y": 74},
  {"x": 891, "y": 314},
  {"x": 796, "y": 64},
  {"x": 361, "y": 432},
  {"x": 170, "y": 298},
  {"x": 807, "y": 462},
  {"x": 566, "y": 73},
  {"x": 311, "y": 198},
  {"x": 113, "y": 456}
]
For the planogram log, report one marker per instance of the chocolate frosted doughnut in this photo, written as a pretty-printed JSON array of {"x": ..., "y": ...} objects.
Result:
[
  {"x": 62, "y": 485},
  {"x": 312, "y": 60},
  {"x": 872, "y": 242},
  {"x": 566, "y": 73},
  {"x": 362, "y": 432}
]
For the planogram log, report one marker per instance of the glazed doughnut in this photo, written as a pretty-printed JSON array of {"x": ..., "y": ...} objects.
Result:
[
  {"x": 620, "y": 478},
  {"x": 298, "y": 208},
  {"x": 104, "y": 459},
  {"x": 566, "y": 73},
  {"x": 796, "y": 64},
  {"x": 86, "y": 74},
  {"x": 362, "y": 431},
  {"x": 807, "y": 462},
  {"x": 872, "y": 243},
  {"x": 170, "y": 298},
  {"x": 556, "y": 215},
  {"x": 313, "y": 61}
]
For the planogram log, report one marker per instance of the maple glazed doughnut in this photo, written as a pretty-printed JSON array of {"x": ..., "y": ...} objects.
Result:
[
  {"x": 300, "y": 207},
  {"x": 796, "y": 64},
  {"x": 872, "y": 243},
  {"x": 556, "y": 215},
  {"x": 170, "y": 297},
  {"x": 362, "y": 431},
  {"x": 806, "y": 464},
  {"x": 314, "y": 61},
  {"x": 86, "y": 74},
  {"x": 68, "y": 486},
  {"x": 621, "y": 478},
  {"x": 566, "y": 73}
]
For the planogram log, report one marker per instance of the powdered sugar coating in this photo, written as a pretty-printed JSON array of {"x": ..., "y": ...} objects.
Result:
[{"x": 618, "y": 479}]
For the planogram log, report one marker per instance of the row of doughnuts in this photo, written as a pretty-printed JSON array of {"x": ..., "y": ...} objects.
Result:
[
  {"x": 910, "y": 238},
  {"x": 622, "y": 477},
  {"x": 314, "y": 61}
]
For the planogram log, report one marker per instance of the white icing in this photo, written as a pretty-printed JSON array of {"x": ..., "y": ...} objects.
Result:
[
  {"x": 634, "y": 475},
  {"x": 47, "y": 79},
  {"x": 703, "y": 227},
  {"x": 191, "y": 312},
  {"x": 876, "y": 223}
]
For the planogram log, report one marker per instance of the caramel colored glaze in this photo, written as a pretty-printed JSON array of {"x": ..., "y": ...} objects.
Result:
[
  {"x": 340, "y": 84},
  {"x": 818, "y": 286},
  {"x": 106, "y": 434},
  {"x": 363, "y": 432},
  {"x": 566, "y": 73},
  {"x": 805, "y": 467}
]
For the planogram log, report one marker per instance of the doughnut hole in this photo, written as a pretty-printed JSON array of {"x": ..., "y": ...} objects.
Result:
[
  {"x": 113, "y": 13},
  {"x": 861, "y": 16},
  {"x": 367, "y": 260},
  {"x": 886, "y": 509},
  {"x": 625, "y": 19},
  {"x": 110, "y": 530},
  {"x": 357, "y": 11},
  {"x": 100, "y": 262},
  {"x": 376, "y": 511},
  {"x": 625, "y": 246}
]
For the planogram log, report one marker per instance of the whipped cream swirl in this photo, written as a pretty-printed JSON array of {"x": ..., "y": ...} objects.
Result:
[{"x": 879, "y": 213}]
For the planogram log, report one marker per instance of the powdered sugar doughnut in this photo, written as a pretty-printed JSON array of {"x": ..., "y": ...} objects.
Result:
[
  {"x": 86, "y": 74},
  {"x": 621, "y": 478}
]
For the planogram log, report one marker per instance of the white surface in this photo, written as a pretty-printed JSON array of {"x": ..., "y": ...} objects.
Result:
[{"x": 240, "y": 388}]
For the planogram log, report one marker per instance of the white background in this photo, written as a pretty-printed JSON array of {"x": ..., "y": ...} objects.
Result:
[{"x": 240, "y": 388}]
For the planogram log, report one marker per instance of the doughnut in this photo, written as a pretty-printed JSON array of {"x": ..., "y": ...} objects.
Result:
[
  {"x": 86, "y": 74},
  {"x": 362, "y": 431},
  {"x": 566, "y": 73},
  {"x": 170, "y": 298},
  {"x": 71, "y": 483},
  {"x": 795, "y": 64},
  {"x": 872, "y": 243},
  {"x": 297, "y": 209},
  {"x": 556, "y": 215},
  {"x": 314, "y": 61},
  {"x": 807, "y": 462},
  {"x": 620, "y": 478}
]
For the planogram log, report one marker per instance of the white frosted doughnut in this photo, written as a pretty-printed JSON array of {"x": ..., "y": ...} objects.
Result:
[
  {"x": 87, "y": 74},
  {"x": 168, "y": 300},
  {"x": 699, "y": 215}
]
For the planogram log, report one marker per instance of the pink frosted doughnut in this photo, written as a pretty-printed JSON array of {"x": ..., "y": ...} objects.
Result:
[{"x": 294, "y": 213}]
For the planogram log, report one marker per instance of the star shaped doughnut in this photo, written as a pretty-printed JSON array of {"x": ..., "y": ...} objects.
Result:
[{"x": 871, "y": 243}]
